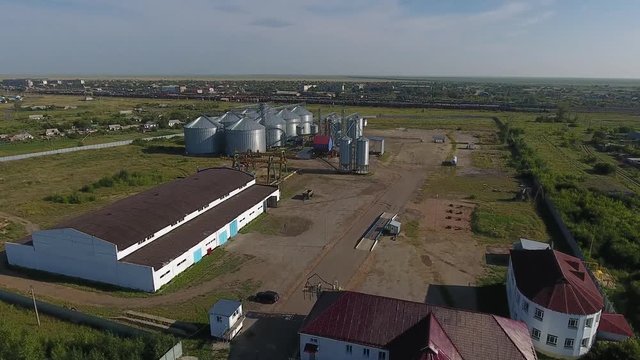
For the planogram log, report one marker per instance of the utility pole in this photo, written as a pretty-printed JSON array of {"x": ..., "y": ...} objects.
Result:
[{"x": 35, "y": 306}]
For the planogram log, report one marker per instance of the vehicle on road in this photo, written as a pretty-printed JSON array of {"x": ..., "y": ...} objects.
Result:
[{"x": 266, "y": 297}]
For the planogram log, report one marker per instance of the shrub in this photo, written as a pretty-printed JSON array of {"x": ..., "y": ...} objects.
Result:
[{"x": 604, "y": 168}]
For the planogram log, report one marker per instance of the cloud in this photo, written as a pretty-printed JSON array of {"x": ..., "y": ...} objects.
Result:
[{"x": 271, "y": 23}]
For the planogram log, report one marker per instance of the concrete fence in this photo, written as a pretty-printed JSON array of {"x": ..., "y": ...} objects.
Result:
[
  {"x": 80, "y": 148},
  {"x": 174, "y": 353},
  {"x": 71, "y": 315}
]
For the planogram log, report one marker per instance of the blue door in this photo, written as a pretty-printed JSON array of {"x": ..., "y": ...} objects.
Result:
[
  {"x": 223, "y": 237},
  {"x": 234, "y": 227},
  {"x": 197, "y": 255}
]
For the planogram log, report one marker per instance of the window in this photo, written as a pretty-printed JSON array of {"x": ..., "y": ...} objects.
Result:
[
  {"x": 349, "y": 349},
  {"x": 539, "y": 314},
  {"x": 568, "y": 343},
  {"x": 165, "y": 274},
  {"x": 525, "y": 306},
  {"x": 552, "y": 340},
  {"x": 365, "y": 352},
  {"x": 382, "y": 355},
  {"x": 313, "y": 340},
  {"x": 535, "y": 333},
  {"x": 573, "y": 323},
  {"x": 589, "y": 322},
  {"x": 219, "y": 318},
  {"x": 585, "y": 342},
  {"x": 181, "y": 262}
]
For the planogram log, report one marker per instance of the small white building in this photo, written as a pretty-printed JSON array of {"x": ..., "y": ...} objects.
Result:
[
  {"x": 226, "y": 319},
  {"x": 23, "y": 136},
  {"x": 125, "y": 112},
  {"x": 555, "y": 296},
  {"x": 174, "y": 122},
  {"x": 115, "y": 127},
  {"x": 36, "y": 117},
  {"x": 52, "y": 132}
]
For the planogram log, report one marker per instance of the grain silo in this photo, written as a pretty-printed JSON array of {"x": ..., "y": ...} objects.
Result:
[
  {"x": 276, "y": 129},
  {"x": 362, "y": 155},
  {"x": 229, "y": 119},
  {"x": 293, "y": 121},
  {"x": 355, "y": 125},
  {"x": 306, "y": 119},
  {"x": 245, "y": 135},
  {"x": 203, "y": 135},
  {"x": 345, "y": 154}
]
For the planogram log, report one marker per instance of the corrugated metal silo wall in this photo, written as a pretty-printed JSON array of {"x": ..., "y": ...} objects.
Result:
[
  {"x": 345, "y": 153},
  {"x": 244, "y": 140},
  {"x": 362, "y": 153},
  {"x": 275, "y": 136},
  {"x": 199, "y": 140}
]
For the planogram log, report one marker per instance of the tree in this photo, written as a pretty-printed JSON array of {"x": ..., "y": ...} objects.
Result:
[
  {"x": 604, "y": 168},
  {"x": 604, "y": 350}
]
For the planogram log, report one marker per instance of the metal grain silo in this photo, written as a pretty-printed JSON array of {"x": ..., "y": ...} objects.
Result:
[
  {"x": 314, "y": 129},
  {"x": 293, "y": 121},
  {"x": 251, "y": 113},
  {"x": 345, "y": 154},
  {"x": 362, "y": 155},
  {"x": 203, "y": 135},
  {"x": 355, "y": 126},
  {"x": 306, "y": 118},
  {"x": 276, "y": 129},
  {"x": 229, "y": 119},
  {"x": 245, "y": 135}
]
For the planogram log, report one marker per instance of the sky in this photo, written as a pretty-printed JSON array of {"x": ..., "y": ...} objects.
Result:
[{"x": 543, "y": 38}]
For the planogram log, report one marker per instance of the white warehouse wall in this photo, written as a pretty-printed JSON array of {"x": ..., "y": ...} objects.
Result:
[
  {"x": 330, "y": 349},
  {"x": 553, "y": 322},
  {"x": 165, "y": 274},
  {"x": 73, "y": 253},
  {"x": 124, "y": 252}
]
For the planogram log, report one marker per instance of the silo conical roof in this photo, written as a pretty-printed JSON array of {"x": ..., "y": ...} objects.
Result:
[
  {"x": 203, "y": 122},
  {"x": 246, "y": 124},
  {"x": 229, "y": 118},
  {"x": 299, "y": 110}
]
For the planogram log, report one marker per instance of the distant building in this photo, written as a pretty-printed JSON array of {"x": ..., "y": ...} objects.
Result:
[
  {"x": 174, "y": 122},
  {"x": 149, "y": 125},
  {"x": 439, "y": 138},
  {"x": 125, "y": 112},
  {"x": 345, "y": 325},
  {"x": 114, "y": 127},
  {"x": 287, "y": 93},
  {"x": 23, "y": 136},
  {"x": 52, "y": 132},
  {"x": 17, "y": 83},
  {"x": 226, "y": 319},
  {"x": 170, "y": 89},
  {"x": 36, "y": 117}
]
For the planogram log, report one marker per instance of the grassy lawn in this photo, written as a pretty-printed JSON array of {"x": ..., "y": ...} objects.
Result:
[
  {"x": 25, "y": 184},
  {"x": 10, "y": 230}
]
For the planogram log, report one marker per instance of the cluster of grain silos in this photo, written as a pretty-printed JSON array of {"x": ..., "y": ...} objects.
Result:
[
  {"x": 354, "y": 147},
  {"x": 205, "y": 136},
  {"x": 250, "y": 129}
]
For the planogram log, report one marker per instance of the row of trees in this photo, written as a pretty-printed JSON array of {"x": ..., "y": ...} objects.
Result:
[{"x": 607, "y": 226}]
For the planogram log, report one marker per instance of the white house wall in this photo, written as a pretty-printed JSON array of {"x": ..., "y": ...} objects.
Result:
[
  {"x": 553, "y": 322},
  {"x": 73, "y": 253},
  {"x": 124, "y": 252},
  {"x": 330, "y": 349},
  {"x": 165, "y": 274}
]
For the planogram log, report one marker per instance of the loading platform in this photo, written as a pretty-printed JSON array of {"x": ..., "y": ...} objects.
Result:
[{"x": 373, "y": 233}]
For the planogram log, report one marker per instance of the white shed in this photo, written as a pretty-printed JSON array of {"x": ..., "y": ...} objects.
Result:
[{"x": 226, "y": 318}]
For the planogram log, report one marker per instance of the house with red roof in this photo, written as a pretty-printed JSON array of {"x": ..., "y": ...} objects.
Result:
[
  {"x": 350, "y": 325},
  {"x": 555, "y": 296}
]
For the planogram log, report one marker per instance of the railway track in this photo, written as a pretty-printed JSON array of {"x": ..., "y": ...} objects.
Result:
[{"x": 623, "y": 174}]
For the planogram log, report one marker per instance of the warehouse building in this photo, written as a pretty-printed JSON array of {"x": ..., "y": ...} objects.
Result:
[{"x": 144, "y": 241}]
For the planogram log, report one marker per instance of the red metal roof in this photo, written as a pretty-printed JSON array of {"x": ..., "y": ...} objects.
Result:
[
  {"x": 412, "y": 330},
  {"x": 556, "y": 281},
  {"x": 615, "y": 324},
  {"x": 321, "y": 140}
]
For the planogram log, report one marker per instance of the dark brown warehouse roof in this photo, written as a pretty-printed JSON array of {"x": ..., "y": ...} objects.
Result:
[
  {"x": 132, "y": 219},
  {"x": 178, "y": 241}
]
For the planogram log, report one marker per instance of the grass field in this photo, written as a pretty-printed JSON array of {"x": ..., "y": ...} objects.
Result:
[{"x": 26, "y": 183}]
